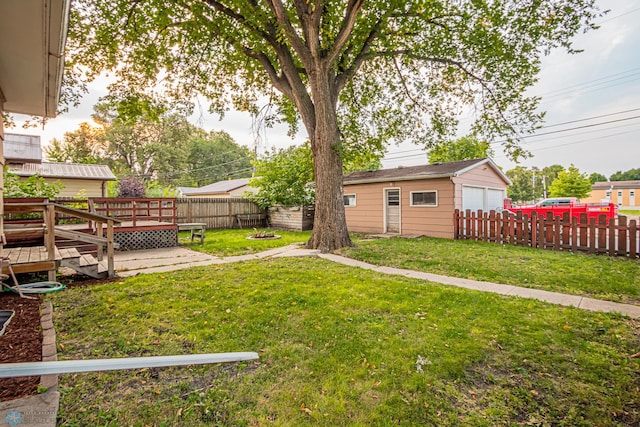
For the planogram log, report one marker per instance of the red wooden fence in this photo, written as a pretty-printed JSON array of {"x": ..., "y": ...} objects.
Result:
[{"x": 618, "y": 237}]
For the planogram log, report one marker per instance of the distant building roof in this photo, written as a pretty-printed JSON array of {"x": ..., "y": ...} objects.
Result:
[
  {"x": 22, "y": 148},
  {"x": 219, "y": 187},
  {"x": 64, "y": 170},
  {"x": 436, "y": 170},
  {"x": 615, "y": 184}
]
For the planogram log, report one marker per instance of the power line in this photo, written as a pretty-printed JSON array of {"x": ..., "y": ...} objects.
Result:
[{"x": 570, "y": 129}]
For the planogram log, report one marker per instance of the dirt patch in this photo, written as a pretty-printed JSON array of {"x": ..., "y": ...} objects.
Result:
[{"x": 21, "y": 342}]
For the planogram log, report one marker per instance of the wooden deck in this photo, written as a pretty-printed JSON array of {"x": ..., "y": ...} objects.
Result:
[{"x": 30, "y": 259}]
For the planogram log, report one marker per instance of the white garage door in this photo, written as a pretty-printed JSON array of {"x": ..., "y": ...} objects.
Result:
[
  {"x": 495, "y": 199},
  {"x": 472, "y": 198}
]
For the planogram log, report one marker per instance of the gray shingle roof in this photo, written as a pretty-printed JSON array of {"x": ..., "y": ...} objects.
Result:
[
  {"x": 64, "y": 170},
  {"x": 438, "y": 170}
]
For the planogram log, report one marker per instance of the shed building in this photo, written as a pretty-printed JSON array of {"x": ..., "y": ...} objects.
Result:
[{"x": 421, "y": 200}]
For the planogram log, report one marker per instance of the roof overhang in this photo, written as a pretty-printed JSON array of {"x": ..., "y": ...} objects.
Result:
[{"x": 32, "y": 39}]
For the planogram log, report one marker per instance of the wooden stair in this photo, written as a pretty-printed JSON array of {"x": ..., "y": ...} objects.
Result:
[{"x": 85, "y": 264}]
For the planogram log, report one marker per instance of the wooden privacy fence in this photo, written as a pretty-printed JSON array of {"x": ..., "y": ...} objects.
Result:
[
  {"x": 218, "y": 212},
  {"x": 617, "y": 237},
  {"x": 228, "y": 212}
]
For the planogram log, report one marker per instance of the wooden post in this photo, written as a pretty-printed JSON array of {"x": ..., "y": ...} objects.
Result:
[
  {"x": 50, "y": 238},
  {"x": 633, "y": 239},
  {"x": 456, "y": 224},
  {"x": 622, "y": 235},
  {"x": 99, "y": 233},
  {"x": 110, "y": 249},
  {"x": 574, "y": 234},
  {"x": 534, "y": 229}
]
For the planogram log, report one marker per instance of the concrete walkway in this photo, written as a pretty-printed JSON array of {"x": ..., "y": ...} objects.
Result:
[{"x": 169, "y": 259}]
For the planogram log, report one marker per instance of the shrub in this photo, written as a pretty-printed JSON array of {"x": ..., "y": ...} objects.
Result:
[{"x": 131, "y": 187}]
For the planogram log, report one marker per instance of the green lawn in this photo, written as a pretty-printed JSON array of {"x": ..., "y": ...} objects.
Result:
[
  {"x": 234, "y": 242},
  {"x": 615, "y": 279},
  {"x": 340, "y": 346}
]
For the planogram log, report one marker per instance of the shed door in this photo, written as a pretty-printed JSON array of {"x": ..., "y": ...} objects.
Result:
[
  {"x": 392, "y": 210},
  {"x": 472, "y": 198}
]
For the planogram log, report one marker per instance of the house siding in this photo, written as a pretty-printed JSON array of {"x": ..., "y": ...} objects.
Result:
[
  {"x": 625, "y": 201},
  {"x": 2, "y": 163},
  {"x": 368, "y": 214}
]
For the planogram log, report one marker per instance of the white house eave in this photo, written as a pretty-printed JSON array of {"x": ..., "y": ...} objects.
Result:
[{"x": 32, "y": 40}]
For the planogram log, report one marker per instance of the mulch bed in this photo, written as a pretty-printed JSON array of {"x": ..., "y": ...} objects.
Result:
[{"x": 21, "y": 342}]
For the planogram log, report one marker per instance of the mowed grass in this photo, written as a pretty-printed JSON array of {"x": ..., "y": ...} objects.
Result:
[
  {"x": 340, "y": 346},
  {"x": 234, "y": 242},
  {"x": 604, "y": 277}
]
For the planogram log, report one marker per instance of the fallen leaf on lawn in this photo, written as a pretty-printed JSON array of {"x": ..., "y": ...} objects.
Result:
[
  {"x": 179, "y": 412},
  {"x": 228, "y": 310},
  {"x": 633, "y": 356},
  {"x": 566, "y": 327},
  {"x": 534, "y": 392},
  {"x": 156, "y": 342},
  {"x": 377, "y": 383},
  {"x": 294, "y": 303},
  {"x": 157, "y": 391},
  {"x": 305, "y": 409}
]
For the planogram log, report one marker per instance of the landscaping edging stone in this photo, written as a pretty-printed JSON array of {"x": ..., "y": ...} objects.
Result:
[{"x": 40, "y": 410}]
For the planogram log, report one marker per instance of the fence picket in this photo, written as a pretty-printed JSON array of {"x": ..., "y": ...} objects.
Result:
[{"x": 617, "y": 237}]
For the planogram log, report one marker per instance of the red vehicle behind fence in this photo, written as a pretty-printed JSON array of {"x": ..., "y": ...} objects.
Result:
[{"x": 559, "y": 206}]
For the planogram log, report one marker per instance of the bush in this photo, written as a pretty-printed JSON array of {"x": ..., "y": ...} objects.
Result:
[{"x": 131, "y": 187}]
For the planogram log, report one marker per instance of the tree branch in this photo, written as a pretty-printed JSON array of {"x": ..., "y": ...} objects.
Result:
[
  {"x": 343, "y": 77},
  {"x": 296, "y": 42},
  {"x": 353, "y": 8}
]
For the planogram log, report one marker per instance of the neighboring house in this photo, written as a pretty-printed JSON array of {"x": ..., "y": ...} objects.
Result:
[
  {"x": 625, "y": 194},
  {"x": 23, "y": 156},
  {"x": 228, "y": 188},
  {"x": 420, "y": 200},
  {"x": 32, "y": 39}
]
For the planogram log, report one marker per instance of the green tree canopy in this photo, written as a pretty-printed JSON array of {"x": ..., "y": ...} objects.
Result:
[
  {"x": 354, "y": 73},
  {"x": 630, "y": 175},
  {"x": 597, "y": 177},
  {"x": 83, "y": 145},
  {"x": 522, "y": 184},
  {"x": 215, "y": 156},
  {"x": 284, "y": 178},
  {"x": 570, "y": 183},
  {"x": 465, "y": 148}
]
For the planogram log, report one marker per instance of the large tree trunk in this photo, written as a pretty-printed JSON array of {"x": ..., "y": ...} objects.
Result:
[{"x": 330, "y": 226}]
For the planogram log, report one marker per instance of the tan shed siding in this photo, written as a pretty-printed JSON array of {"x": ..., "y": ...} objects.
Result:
[
  {"x": 73, "y": 187},
  {"x": 432, "y": 221},
  {"x": 368, "y": 214}
]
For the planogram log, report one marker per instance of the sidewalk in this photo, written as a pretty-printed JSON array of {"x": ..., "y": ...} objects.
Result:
[{"x": 169, "y": 259}]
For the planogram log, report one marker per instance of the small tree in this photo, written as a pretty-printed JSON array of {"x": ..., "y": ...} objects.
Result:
[
  {"x": 570, "y": 183},
  {"x": 283, "y": 178},
  {"x": 33, "y": 186},
  {"x": 131, "y": 187}
]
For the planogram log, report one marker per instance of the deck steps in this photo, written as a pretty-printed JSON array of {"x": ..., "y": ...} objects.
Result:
[{"x": 85, "y": 264}]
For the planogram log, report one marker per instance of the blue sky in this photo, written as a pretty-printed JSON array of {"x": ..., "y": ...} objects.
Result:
[{"x": 600, "y": 83}]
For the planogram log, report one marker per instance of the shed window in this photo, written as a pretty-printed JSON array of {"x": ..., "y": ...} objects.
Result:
[
  {"x": 619, "y": 193},
  {"x": 608, "y": 194},
  {"x": 424, "y": 198},
  {"x": 349, "y": 199}
]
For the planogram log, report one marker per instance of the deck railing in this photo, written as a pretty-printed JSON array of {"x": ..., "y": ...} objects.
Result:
[
  {"x": 136, "y": 209},
  {"x": 45, "y": 226}
]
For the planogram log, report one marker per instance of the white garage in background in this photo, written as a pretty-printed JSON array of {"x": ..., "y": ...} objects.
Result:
[{"x": 482, "y": 198}]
